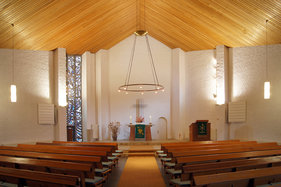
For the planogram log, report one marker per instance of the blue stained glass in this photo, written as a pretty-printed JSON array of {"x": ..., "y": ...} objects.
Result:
[{"x": 74, "y": 100}]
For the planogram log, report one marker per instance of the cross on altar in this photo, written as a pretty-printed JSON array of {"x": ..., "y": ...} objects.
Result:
[{"x": 139, "y": 107}]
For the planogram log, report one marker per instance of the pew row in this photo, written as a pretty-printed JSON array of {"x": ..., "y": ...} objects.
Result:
[
  {"x": 94, "y": 160},
  {"x": 247, "y": 178},
  {"x": 113, "y": 158},
  {"x": 83, "y": 170},
  {"x": 218, "y": 150},
  {"x": 35, "y": 148},
  {"x": 189, "y": 171},
  {"x": 30, "y": 178}
]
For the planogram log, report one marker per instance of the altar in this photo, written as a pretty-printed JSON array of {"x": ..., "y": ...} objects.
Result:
[{"x": 140, "y": 131}]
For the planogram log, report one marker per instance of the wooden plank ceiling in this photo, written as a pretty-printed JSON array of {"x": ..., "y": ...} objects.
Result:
[{"x": 91, "y": 25}]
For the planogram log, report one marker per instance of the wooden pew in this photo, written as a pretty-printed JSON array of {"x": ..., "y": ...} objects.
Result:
[
  {"x": 204, "y": 146},
  {"x": 198, "y": 142},
  {"x": 113, "y": 147},
  {"x": 96, "y": 161},
  {"x": 215, "y": 149},
  {"x": 32, "y": 178},
  {"x": 109, "y": 149},
  {"x": 169, "y": 166},
  {"x": 247, "y": 178},
  {"x": 218, "y": 150},
  {"x": 102, "y": 144},
  {"x": 82, "y": 170},
  {"x": 189, "y": 171},
  {"x": 180, "y": 161},
  {"x": 46, "y": 149},
  {"x": 63, "y": 146},
  {"x": 49, "y": 149}
]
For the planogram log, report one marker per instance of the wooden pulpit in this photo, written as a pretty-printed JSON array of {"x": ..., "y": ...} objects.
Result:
[{"x": 200, "y": 131}]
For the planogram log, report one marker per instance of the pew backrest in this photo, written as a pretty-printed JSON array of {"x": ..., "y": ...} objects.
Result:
[
  {"x": 219, "y": 157},
  {"x": 32, "y": 148},
  {"x": 222, "y": 146},
  {"x": 64, "y": 146},
  {"x": 42, "y": 177},
  {"x": 228, "y": 166},
  {"x": 232, "y": 177},
  {"x": 113, "y": 146},
  {"x": 223, "y": 150},
  {"x": 96, "y": 161}
]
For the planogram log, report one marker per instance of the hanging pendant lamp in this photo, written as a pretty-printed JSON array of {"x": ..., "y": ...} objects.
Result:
[
  {"x": 266, "y": 83},
  {"x": 13, "y": 88}
]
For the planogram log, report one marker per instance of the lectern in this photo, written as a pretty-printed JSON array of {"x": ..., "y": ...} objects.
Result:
[{"x": 200, "y": 131}]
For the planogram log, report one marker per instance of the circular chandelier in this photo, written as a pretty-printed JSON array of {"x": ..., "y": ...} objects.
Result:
[{"x": 154, "y": 86}]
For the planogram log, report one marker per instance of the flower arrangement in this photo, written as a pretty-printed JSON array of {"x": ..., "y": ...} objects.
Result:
[
  {"x": 114, "y": 127},
  {"x": 139, "y": 119}
]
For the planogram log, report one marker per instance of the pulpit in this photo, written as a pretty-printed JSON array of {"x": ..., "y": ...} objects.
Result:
[
  {"x": 200, "y": 131},
  {"x": 140, "y": 132}
]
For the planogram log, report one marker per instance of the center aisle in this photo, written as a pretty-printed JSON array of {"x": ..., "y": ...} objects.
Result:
[{"x": 141, "y": 171}]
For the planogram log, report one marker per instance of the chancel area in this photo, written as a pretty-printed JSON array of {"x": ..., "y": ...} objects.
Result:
[{"x": 161, "y": 91}]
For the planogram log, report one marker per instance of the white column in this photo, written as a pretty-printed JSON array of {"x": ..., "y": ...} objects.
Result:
[
  {"x": 61, "y": 124},
  {"x": 60, "y": 92},
  {"x": 178, "y": 95},
  {"x": 222, "y": 83},
  {"x": 102, "y": 93},
  {"x": 88, "y": 95}
]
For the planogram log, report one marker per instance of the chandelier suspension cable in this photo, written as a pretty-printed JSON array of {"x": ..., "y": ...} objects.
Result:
[
  {"x": 267, "y": 82},
  {"x": 131, "y": 62},
  {"x": 266, "y": 56},
  {"x": 141, "y": 87},
  {"x": 13, "y": 57},
  {"x": 152, "y": 62},
  {"x": 155, "y": 78}
]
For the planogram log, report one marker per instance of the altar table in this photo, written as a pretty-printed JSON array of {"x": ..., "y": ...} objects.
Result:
[{"x": 133, "y": 133}]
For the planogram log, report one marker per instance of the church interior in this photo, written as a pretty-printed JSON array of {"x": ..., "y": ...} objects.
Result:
[{"x": 142, "y": 93}]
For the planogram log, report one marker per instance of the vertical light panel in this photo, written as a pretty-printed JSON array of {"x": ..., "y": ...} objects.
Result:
[
  {"x": 13, "y": 93},
  {"x": 267, "y": 90},
  {"x": 74, "y": 97}
]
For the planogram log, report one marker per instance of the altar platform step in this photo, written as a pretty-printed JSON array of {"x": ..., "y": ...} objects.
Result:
[
  {"x": 138, "y": 152},
  {"x": 137, "y": 142}
]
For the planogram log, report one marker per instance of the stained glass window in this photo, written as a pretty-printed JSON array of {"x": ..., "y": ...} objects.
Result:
[{"x": 74, "y": 97}]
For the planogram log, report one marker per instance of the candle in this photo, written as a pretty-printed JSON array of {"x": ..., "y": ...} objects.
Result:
[
  {"x": 150, "y": 119},
  {"x": 131, "y": 119}
]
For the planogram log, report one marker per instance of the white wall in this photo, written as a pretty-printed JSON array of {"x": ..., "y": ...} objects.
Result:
[
  {"x": 247, "y": 78},
  {"x": 89, "y": 96},
  {"x": 156, "y": 105},
  {"x": 178, "y": 94},
  {"x": 102, "y": 93},
  {"x": 34, "y": 80},
  {"x": 35, "y": 83},
  {"x": 201, "y": 85}
]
